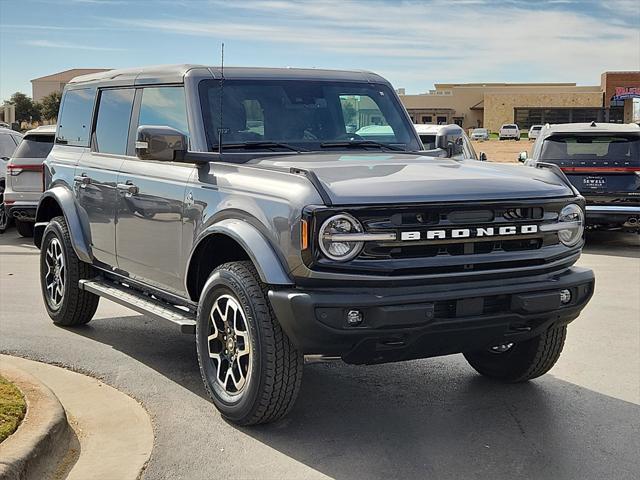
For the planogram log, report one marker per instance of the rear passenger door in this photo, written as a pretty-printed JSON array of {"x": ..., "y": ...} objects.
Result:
[
  {"x": 96, "y": 175},
  {"x": 151, "y": 197}
]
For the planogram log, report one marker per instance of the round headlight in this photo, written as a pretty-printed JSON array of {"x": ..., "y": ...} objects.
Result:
[
  {"x": 333, "y": 242},
  {"x": 573, "y": 219}
]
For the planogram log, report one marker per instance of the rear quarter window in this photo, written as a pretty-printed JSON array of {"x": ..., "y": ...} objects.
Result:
[
  {"x": 34, "y": 146},
  {"x": 75, "y": 117}
]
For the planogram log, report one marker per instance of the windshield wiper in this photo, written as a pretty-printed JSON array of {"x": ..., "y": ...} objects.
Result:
[
  {"x": 256, "y": 145},
  {"x": 361, "y": 143}
]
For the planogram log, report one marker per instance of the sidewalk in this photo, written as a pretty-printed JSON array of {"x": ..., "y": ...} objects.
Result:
[{"x": 114, "y": 432}]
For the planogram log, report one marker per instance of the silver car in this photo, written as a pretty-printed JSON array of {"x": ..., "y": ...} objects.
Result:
[
  {"x": 480, "y": 134},
  {"x": 9, "y": 140},
  {"x": 24, "y": 178}
]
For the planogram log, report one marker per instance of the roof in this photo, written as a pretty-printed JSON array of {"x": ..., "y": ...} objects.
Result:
[
  {"x": 591, "y": 128},
  {"x": 42, "y": 130},
  {"x": 480, "y": 84},
  {"x": 176, "y": 74},
  {"x": 67, "y": 75},
  {"x": 9, "y": 131},
  {"x": 435, "y": 129}
]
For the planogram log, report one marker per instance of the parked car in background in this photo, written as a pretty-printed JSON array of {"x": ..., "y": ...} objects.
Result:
[
  {"x": 602, "y": 161},
  {"x": 24, "y": 178},
  {"x": 509, "y": 131},
  {"x": 480, "y": 134},
  {"x": 534, "y": 131},
  {"x": 9, "y": 140},
  {"x": 447, "y": 141}
]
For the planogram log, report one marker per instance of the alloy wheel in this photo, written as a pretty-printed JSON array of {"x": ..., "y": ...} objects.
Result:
[
  {"x": 229, "y": 343},
  {"x": 56, "y": 273}
]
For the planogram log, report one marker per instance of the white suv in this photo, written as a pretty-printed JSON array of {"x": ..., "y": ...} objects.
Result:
[
  {"x": 509, "y": 131},
  {"x": 24, "y": 177},
  {"x": 534, "y": 131}
]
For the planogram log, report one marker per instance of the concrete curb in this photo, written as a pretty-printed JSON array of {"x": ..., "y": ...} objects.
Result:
[
  {"x": 43, "y": 436},
  {"x": 111, "y": 432}
]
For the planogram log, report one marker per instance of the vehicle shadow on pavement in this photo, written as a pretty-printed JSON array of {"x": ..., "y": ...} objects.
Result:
[
  {"x": 618, "y": 244},
  {"x": 428, "y": 418}
]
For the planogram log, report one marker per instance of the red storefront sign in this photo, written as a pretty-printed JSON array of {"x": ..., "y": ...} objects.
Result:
[{"x": 623, "y": 93}]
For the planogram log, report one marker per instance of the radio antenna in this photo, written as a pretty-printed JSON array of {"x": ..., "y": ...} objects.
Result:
[{"x": 221, "y": 128}]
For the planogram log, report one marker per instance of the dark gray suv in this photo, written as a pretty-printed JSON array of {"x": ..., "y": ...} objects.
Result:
[{"x": 250, "y": 207}]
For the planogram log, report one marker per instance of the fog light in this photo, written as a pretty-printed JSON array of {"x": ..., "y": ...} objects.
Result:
[
  {"x": 565, "y": 296},
  {"x": 354, "y": 318}
]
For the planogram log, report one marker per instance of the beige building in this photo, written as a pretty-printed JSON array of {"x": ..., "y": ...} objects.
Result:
[
  {"x": 490, "y": 105},
  {"x": 43, "y": 86}
]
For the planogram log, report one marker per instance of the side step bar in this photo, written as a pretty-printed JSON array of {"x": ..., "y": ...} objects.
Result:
[{"x": 141, "y": 303}]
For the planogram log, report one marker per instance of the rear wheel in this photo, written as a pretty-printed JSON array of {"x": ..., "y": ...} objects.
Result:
[
  {"x": 25, "y": 229},
  {"x": 60, "y": 272},
  {"x": 5, "y": 219},
  {"x": 250, "y": 369},
  {"x": 519, "y": 362}
]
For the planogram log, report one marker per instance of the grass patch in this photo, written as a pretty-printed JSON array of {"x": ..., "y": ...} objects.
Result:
[{"x": 12, "y": 408}]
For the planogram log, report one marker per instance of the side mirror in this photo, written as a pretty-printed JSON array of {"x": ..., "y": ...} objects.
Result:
[
  {"x": 154, "y": 142},
  {"x": 522, "y": 157},
  {"x": 483, "y": 157}
]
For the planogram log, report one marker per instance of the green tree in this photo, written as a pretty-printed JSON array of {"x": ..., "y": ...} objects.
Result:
[
  {"x": 26, "y": 109},
  {"x": 50, "y": 105}
]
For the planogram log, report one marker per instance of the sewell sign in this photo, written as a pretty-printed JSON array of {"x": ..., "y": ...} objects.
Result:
[{"x": 623, "y": 93}]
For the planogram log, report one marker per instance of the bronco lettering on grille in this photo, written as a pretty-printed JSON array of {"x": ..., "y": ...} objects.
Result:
[{"x": 478, "y": 232}]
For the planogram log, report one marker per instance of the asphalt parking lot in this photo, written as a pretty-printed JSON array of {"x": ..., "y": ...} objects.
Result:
[{"x": 431, "y": 418}]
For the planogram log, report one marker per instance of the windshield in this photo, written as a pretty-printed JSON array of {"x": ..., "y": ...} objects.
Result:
[
  {"x": 588, "y": 150},
  {"x": 509, "y": 127},
  {"x": 34, "y": 146},
  {"x": 480, "y": 130},
  {"x": 306, "y": 115},
  {"x": 535, "y": 128}
]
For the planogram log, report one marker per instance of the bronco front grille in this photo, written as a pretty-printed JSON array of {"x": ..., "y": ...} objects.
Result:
[{"x": 407, "y": 255}]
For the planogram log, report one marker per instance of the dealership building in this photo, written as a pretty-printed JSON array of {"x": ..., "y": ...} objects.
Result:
[{"x": 490, "y": 105}]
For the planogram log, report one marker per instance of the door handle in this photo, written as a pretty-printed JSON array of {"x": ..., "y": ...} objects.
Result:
[
  {"x": 129, "y": 188},
  {"x": 82, "y": 179}
]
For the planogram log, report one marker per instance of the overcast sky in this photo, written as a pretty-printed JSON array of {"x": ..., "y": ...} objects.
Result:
[{"x": 412, "y": 43}]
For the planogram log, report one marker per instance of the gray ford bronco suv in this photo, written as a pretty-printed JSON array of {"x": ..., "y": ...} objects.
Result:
[{"x": 243, "y": 206}]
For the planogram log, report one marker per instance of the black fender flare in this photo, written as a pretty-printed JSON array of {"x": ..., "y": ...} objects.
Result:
[
  {"x": 65, "y": 200},
  {"x": 253, "y": 242}
]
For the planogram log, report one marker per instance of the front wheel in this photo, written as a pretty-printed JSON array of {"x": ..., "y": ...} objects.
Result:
[
  {"x": 519, "y": 362},
  {"x": 250, "y": 368},
  {"x": 60, "y": 272}
]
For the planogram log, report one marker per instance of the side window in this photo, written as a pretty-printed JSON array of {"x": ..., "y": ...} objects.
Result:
[
  {"x": 75, "y": 117},
  {"x": 164, "y": 106},
  {"x": 112, "y": 125}
]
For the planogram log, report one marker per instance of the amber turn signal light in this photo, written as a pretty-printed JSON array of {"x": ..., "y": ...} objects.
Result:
[{"x": 304, "y": 234}]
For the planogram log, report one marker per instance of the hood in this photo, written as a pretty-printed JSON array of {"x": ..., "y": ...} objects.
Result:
[{"x": 351, "y": 179}]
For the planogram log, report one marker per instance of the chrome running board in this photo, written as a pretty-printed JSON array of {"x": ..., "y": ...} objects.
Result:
[{"x": 141, "y": 303}]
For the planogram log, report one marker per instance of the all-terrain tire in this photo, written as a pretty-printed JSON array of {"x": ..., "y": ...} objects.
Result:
[
  {"x": 77, "y": 306},
  {"x": 275, "y": 367},
  {"x": 25, "y": 229},
  {"x": 523, "y": 361},
  {"x": 5, "y": 219}
]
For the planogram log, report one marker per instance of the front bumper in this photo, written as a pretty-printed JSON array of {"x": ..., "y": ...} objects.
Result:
[
  {"x": 419, "y": 322},
  {"x": 613, "y": 215}
]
